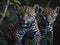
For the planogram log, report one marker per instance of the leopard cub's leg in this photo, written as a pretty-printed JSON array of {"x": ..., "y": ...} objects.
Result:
[
  {"x": 18, "y": 35},
  {"x": 37, "y": 34},
  {"x": 36, "y": 39}
]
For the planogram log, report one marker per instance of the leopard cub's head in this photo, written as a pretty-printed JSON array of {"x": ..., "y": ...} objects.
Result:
[{"x": 25, "y": 12}]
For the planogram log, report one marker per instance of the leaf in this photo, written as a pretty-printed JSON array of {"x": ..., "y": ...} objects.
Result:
[
  {"x": 27, "y": 2},
  {"x": 4, "y": 4},
  {"x": 8, "y": 13},
  {"x": 16, "y": 1},
  {"x": 1, "y": 13},
  {"x": 11, "y": 3},
  {"x": 48, "y": 4}
]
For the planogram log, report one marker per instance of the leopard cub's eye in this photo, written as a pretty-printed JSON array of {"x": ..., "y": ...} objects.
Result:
[{"x": 21, "y": 15}]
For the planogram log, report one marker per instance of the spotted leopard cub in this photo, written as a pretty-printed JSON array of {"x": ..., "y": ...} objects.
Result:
[
  {"x": 29, "y": 24},
  {"x": 51, "y": 17}
]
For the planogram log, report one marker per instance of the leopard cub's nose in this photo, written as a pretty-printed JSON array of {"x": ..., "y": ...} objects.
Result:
[{"x": 26, "y": 17}]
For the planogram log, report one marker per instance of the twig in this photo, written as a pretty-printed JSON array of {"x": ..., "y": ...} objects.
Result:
[
  {"x": 1, "y": 33},
  {"x": 3, "y": 16}
]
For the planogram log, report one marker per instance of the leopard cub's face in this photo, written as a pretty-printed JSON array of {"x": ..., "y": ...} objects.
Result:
[
  {"x": 52, "y": 13},
  {"x": 26, "y": 12}
]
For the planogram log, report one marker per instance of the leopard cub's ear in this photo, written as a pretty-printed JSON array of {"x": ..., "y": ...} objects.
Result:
[
  {"x": 16, "y": 8},
  {"x": 57, "y": 10},
  {"x": 37, "y": 8}
]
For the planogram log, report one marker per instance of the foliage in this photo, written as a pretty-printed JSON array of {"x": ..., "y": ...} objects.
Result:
[
  {"x": 16, "y": 1},
  {"x": 10, "y": 17},
  {"x": 3, "y": 41},
  {"x": 48, "y": 4}
]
